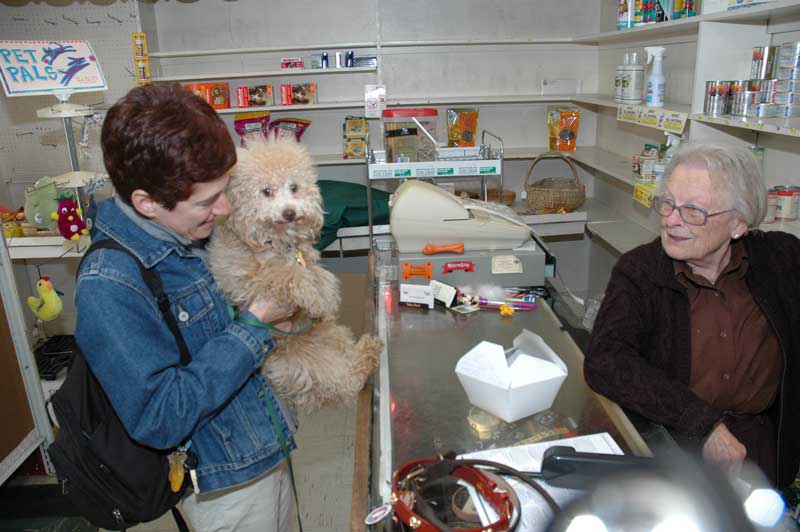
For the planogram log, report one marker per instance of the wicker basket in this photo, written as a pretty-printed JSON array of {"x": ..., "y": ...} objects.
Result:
[{"x": 554, "y": 193}]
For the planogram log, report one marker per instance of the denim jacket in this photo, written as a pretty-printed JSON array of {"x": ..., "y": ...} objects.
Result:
[{"x": 218, "y": 400}]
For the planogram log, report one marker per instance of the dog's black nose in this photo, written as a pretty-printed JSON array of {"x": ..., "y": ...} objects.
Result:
[{"x": 289, "y": 215}]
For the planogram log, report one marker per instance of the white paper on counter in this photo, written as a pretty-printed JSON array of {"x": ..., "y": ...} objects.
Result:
[{"x": 536, "y": 514}]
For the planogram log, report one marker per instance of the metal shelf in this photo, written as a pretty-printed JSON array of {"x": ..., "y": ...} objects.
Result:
[
  {"x": 689, "y": 26},
  {"x": 264, "y": 49},
  {"x": 789, "y": 127},
  {"x": 266, "y": 73},
  {"x": 475, "y": 42},
  {"x": 292, "y": 108}
]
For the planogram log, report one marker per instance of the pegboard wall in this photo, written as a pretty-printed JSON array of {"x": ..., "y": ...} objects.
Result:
[{"x": 31, "y": 147}]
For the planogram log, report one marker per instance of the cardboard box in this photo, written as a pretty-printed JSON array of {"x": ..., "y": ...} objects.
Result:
[{"x": 514, "y": 388}]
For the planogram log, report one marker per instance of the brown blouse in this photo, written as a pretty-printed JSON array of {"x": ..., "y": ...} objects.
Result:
[{"x": 736, "y": 359}]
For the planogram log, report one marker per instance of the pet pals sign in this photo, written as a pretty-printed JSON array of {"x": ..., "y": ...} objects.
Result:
[{"x": 47, "y": 67}]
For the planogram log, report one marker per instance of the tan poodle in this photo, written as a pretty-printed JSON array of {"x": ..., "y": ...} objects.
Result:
[{"x": 264, "y": 249}]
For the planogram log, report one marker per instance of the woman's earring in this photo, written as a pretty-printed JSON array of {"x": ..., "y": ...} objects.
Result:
[{"x": 736, "y": 236}]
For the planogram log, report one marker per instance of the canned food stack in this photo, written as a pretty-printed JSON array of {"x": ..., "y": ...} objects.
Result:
[
  {"x": 783, "y": 204},
  {"x": 787, "y": 88}
]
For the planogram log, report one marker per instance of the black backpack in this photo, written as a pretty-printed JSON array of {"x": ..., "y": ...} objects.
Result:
[{"x": 111, "y": 480}]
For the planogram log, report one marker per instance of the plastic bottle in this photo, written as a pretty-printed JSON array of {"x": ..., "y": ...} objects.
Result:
[
  {"x": 632, "y": 79},
  {"x": 618, "y": 78},
  {"x": 655, "y": 81}
]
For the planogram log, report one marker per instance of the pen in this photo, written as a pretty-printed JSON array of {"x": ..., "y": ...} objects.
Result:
[{"x": 516, "y": 305}]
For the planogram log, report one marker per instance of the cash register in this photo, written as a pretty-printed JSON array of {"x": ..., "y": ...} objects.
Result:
[{"x": 461, "y": 242}]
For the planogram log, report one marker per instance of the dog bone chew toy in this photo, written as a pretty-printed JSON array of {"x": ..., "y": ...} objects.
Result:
[{"x": 431, "y": 249}]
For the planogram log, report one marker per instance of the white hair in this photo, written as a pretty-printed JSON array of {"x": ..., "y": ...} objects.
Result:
[{"x": 736, "y": 168}]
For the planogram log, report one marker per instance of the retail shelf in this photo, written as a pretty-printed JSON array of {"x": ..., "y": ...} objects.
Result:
[
  {"x": 266, "y": 73},
  {"x": 38, "y": 247},
  {"x": 613, "y": 164},
  {"x": 265, "y": 49},
  {"x": 475, "y": 42},
  {"x": 601, "y": 100},
  {"x": 293, "y": 108},
  {"x": 335, "y": 159},
  {"x": 672, "y": 117},
  {"x": 688, "y": 26},
  {"x": 479, "y": 99},
  {"x": 779, "y": 126},
  {"x": 435, "y": 169},
  {"x": 621, "y": 235}
]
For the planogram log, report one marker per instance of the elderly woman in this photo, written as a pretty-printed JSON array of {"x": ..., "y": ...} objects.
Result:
[{"x": 700, "y": 329}]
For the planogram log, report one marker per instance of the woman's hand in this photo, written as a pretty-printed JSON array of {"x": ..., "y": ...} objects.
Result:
[
  {"x": 273, "y": 312},
  {"x": 723, "y": 449}
]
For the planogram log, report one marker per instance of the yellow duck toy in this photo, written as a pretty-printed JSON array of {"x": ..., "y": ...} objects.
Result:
[{"x": 48, "y": 305}]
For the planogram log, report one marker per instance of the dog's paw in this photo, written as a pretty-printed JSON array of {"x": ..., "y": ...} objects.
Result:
[
  {"x": 369, "y": 350},
  {"x": 324, "y": 301}
]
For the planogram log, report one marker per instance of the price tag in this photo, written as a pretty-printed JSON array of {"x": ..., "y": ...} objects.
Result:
[
  {"x": 643, "y": 193},
  {"x": 629, "y": 113},
  {"x": 649, "y": 118},
  {"x": 674, "y": 122}
]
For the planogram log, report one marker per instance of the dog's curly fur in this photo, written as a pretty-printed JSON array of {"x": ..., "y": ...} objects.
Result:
[{"x": 276, "y": 211}]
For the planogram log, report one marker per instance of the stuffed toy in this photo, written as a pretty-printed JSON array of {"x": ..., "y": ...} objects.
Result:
[
  {"x": 41, "y": 200},
  {"x": 48, "y": 305},
  {"x": 69, "y": 220}
]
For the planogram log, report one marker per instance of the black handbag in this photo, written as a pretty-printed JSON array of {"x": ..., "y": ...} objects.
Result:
[{"x": 112, "y": 480}]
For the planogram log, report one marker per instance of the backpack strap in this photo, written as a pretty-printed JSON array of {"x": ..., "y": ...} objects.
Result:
[{"x": 153, "y": 281}]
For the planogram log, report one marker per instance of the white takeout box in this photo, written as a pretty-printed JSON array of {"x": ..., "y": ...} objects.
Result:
[{"x": 512, "y": 389}]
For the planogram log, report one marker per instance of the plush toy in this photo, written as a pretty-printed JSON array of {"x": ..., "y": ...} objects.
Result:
[
  {"x": 40, "y": 201},
  {"x": 69, "y": 220},
  {"x": 48, "y": 305}
]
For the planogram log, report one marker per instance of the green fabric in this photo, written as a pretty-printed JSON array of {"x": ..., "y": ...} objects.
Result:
[{"x": 346, "y": 206}]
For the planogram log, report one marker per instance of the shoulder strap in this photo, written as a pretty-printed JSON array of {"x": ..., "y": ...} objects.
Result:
[{"x": 153, "y": 281}]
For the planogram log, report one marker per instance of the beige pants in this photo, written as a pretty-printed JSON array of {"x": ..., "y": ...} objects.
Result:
[{"x": 261, "y": 505}]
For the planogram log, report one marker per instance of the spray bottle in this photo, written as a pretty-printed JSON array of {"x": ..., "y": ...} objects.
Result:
[{"x": 655, "y": 81}]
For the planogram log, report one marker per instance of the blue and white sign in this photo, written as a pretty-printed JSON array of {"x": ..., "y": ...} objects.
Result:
[{"x": 46, "y": 67}]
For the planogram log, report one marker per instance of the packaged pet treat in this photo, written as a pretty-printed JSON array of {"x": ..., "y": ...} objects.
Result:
[
  {"x": 300, "y": 94},
  {"x": 403, "y": 135},
  {"x": 288, "y": 127},
  {"x": 216, "y": 94},
  {"x": 355, "y": 149},
  {"x": 562, "y": 128},
  {"x": 462, "y": 127},
  {"x": 261, "y": 95},
  {"x": 355, "y": 127},
  {"x": 249, "y": 124}
]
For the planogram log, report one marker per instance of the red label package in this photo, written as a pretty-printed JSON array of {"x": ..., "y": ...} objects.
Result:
[{"x": 303, "y": 93}]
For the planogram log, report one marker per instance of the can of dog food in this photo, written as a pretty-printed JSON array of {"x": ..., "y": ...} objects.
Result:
[
  {"x": 768, "y": 90},
  {"x": 786, "y": 98},
  {"x": 793, "y": 109},
  {"x": 716, "y": 101},
  {"x": 796, "y": 200},
  {"x": 784, "y": 211},
  {"x": 789, "y": 55},
  {"x": 741, "y": 102},
  {"x": 764, "y": 110},
  {"x": 763, "y": 62},
  {"x": 787, "y": 73},
  {"x": 772, "y": 204},
  {"x": 787, "y": 85}
]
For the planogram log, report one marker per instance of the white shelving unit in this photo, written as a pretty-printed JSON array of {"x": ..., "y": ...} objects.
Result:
[{"x": 266, "y": 74}]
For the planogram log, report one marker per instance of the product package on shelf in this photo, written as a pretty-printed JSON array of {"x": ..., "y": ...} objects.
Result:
[
  {"x": 354, "y": 132},
  {"x": 255, "y": 96},
  {"x": 298, "y": 94},
  {"x": 410, "y": 135},
  {"x": 288, "y": 128},
  {"x": 562, "y": 128},
  {"x": 216, "y": 94},
  {"x": 462, "y": 127},
  {"x": 254, "y": 123}
]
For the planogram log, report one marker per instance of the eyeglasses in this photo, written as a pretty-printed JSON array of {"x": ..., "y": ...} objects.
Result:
[{"x": 691, "y": 215}]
